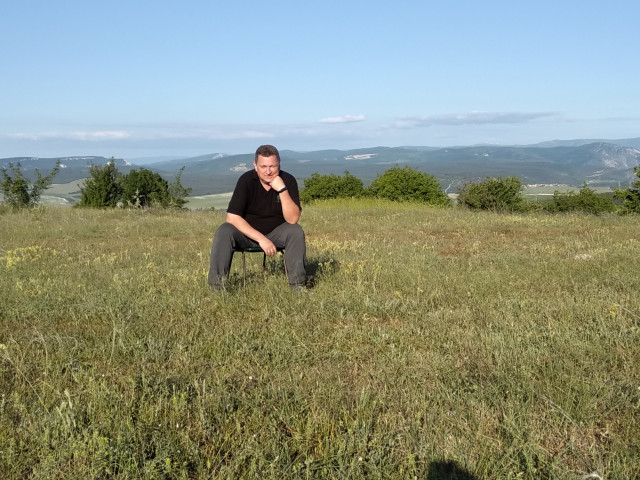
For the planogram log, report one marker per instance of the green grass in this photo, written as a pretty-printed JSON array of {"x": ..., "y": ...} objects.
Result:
[
  {"x": 219, "y": 201},
  {"x": 431, "y": 341},
  {"x": 549, "y": 190}
]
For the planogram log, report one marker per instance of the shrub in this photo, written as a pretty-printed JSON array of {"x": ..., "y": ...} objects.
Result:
[
  {"x": 19, "y": 192},
  {"x": 498, "y": 194},
  {"x": 103, "y": 189},
  {"x": 587, "y": 201},
  {"x": 144, "y": 188},
  {"x": 408, "y": 184},
  {"x": 630, "y": 196},
  {"x": 139, "y": 188},
  {"x": 178, "y": 193},
  {"x": 331, "y": 186}
]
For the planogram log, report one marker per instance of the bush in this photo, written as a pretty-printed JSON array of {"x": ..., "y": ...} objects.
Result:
[
  {"x": 408, "y": 184},
  {"x": 587, "y": 201},
  {"x": 144, "y": 188},
  {"x": 630, "y": 196},
  {"x": 107, "y": 187},
  {"x": 331, "y": 186},
  {"x": 177, "y": 192},
  {"x": 497, "y": 194},
  {"x": 103, "y": 189},
  {"x": 19, "y": 192}
]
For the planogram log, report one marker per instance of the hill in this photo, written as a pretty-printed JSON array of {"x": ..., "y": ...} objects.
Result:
[
  {"x": 600, "y": 163},
  {"x": 71, "y": 168}
]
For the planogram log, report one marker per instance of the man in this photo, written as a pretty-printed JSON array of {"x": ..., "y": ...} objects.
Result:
[{"x": 264, "y": 211}]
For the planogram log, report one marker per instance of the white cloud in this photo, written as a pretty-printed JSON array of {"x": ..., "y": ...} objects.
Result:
[
  {"x": 162, "y": 133},
  {"x": 344, "y": 119},
  {"x": 103, "y": 135},
  {"x": 247, "y": 134},
  {"x": 472, "y": 118},
  {"x": 83, "y": 136}
]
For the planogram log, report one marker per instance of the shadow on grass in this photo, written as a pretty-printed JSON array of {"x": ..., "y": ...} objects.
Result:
[
  {"x": 317, "y": 266},
  {"x": 448, "y": 470}
]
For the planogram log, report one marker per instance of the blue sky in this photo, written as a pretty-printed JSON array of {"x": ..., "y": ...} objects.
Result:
[{"x": 138, "y": 78}]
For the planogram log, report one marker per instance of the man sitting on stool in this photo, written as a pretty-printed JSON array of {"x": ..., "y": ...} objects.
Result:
[{"x": 263, "y": 212}]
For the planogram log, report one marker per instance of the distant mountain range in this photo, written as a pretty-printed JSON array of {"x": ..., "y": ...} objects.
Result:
[{"x": 571, "y": 162}]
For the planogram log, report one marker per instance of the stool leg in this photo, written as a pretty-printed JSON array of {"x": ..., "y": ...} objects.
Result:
[{"x": 244, "y": 271}]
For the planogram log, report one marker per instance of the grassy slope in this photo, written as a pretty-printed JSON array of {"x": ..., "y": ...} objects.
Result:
[{"x": 495, "y": 346}]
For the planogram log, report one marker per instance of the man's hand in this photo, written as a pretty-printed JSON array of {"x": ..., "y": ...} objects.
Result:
[
  {"x": 246, "y": 229},
  {"x": 277, "y": 183},
  {"x": 290, "y": 210},
  {"x": 268, "y": 247}
]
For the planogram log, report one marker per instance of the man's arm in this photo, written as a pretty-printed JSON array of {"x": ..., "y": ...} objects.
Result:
[
  {"x": 290, "y": 210},
  {"x": 241, "y": 224}
]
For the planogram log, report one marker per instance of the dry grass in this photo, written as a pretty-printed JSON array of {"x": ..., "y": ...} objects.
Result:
[{"x": 431, "y": 341}]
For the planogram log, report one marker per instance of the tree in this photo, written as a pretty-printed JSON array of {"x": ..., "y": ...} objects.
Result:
[
  {"x": 144, "y": 188},
  {"x": 630, "y": 196},
  {"x": 19, "y": 192},
  {"x": 408, "y": 184},
  {"x": 103, "y": 189},
  {"x": 331, "y": 186},
  {"x": 177, "y": 192},
  {"x": 498, "y": 194}
]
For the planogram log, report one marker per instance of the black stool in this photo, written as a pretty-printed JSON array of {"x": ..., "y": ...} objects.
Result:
[{"x": 264, "y": 260}]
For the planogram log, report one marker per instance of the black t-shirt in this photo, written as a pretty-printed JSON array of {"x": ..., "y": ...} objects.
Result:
[{"x": 261, "y": 208}]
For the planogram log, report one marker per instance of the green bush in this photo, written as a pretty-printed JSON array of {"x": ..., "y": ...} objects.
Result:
[
  {"x": 587, "y": 201},
  {"x": 144, "y": 188},
  {"x": 178, "y": 193},
  {"x": 319, "y": 187},
  {"x": 630, "y": 196},
  {"x": 103, "y": 189},
  {"x": 19, "y": 192},
  {"x": 496, "y": 194},
  {"x": 107, "y": 187},
  {"x": 408, "y": 184}
]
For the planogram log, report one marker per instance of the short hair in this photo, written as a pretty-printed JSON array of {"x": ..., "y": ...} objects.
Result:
[{"x": 267, "y": 151}]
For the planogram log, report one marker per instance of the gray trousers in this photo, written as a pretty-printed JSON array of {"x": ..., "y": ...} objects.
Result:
[{"x": 287, "y": 236}]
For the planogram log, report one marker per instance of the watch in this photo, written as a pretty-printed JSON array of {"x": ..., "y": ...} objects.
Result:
[{"x": 281, "y": 190}]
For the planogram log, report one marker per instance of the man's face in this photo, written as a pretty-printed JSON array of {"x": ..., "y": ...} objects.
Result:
[{"x": 267, "y": 168}]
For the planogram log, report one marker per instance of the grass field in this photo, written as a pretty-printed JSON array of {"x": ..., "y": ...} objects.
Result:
[
  {"x": 218, "y": 201},
  {"x": 543, "y": 192},
  {"x": 431, "y": 344}
]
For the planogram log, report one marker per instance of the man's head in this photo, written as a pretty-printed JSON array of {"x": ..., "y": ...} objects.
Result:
[{"x": 267, "y": 163}]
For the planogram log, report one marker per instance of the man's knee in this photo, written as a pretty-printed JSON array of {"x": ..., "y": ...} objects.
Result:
[
  {"x": 294, "y": 231},
  {"x": 225, "y": 230}
]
